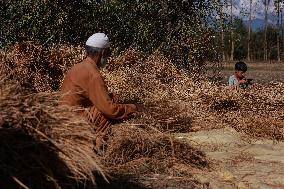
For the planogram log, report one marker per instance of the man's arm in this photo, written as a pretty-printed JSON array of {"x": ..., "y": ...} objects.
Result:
[{"x": 99, "y": 96}]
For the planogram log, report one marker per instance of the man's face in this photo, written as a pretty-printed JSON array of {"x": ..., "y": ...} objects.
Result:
[
  {"x": 240, "y": 74},
  {"x": 105, "y": 54}
]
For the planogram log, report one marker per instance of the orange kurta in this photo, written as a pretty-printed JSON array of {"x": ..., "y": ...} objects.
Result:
[{"x": 84, "y": 86}]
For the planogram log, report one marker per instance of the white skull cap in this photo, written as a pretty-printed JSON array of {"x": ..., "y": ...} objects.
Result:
[{"x": 99, "y": 40}]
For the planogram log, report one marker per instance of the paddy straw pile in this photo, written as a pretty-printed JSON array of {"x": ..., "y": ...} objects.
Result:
[
  {"x": 178, "y": 103},
  {"x": 39, "y": 68},
  {"x": 43, "y": 144},
  {"x": 175, "y": 103},
  {"x": 142, "y": 150},
  {"x": 32, "y": 108}
]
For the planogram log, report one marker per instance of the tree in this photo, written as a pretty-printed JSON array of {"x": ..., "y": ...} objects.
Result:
[
  {"x": 220, "y": 6},
  {"x": 266, "y": 4},
  {"x": 277, "y": 7},
  {"x": 240, "y": 38},
  {"x": 249, "y": 30},
  {"x": 146, "y": 25},
  {"x": 281, "y": 23},
  {"x": 222, "y": 30},
  {"x": 232, "y": 33}
]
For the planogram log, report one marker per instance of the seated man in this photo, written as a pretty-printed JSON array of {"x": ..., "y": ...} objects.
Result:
[
  {"x": 238, "y": 79},
  {"x": 84, "y": 86}
]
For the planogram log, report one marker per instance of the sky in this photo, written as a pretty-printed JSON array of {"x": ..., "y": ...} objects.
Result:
[{"x": 242, "y": 6}]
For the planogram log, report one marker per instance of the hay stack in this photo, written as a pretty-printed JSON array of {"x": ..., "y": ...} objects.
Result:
[
  {"x": 39, "y": 106},
  {"x": 175, "y": 103},
  {"x": 178, "y": 103},
  {"x": 39, "y": 68},
  {"x": 43, "y": 145},
  {"x": 142, "y": 150},
  {"x": 258, "y": 111}
]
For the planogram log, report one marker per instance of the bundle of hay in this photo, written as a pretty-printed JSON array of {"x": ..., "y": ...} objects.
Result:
[
  {"x": 176, "y": 157},
  {"x": 43, "y": 145},
  {"x": 141, "y": 150}
]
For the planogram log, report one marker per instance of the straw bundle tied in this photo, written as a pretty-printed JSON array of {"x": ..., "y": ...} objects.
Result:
[{"x": 43, "y": 145}]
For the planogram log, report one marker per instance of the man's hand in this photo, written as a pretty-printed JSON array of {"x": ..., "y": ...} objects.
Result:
[
  {"x": 243, "y": 81},
  {"x": 114, "y": 97},
  {"x": 140, "y": 107}
]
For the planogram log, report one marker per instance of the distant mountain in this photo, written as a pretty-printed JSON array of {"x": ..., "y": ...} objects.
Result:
[
  {"x": 256, "y": 24},
  {"x": 259, "y": 23}
]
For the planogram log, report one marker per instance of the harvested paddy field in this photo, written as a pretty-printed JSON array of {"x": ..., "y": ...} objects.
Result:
[
  {"x": 260, "y": 72},
  {"x": 193, "y": 134}
]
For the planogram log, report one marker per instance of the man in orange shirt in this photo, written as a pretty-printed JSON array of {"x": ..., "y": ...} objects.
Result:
[{"x": 84, "y": 86}]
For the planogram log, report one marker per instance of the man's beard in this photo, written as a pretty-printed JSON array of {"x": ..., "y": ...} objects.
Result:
[{"x": 103, "y": 62}]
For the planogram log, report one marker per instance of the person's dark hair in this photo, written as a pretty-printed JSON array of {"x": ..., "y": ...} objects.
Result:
[
  {"x": 92, "y": 50},
  {"x": 241, "y": 66}
]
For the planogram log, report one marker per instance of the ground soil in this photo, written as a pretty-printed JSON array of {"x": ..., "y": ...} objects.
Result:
[
  {"x": 260, "y": 72},
  {"x": 238, "y": 161}
]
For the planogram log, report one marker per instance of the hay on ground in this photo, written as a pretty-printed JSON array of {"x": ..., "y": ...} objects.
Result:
[
  {"x": 175, "y": 102},
  {"x": 142, "y": 150},
  {"x": 43, "y": 145},
  {"x": 178, "y": 103}
]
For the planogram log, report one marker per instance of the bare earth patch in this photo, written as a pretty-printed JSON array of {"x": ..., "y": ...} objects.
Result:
[
  {"x": 238, "y": 161},
  {"x": 260, "y": 72}
]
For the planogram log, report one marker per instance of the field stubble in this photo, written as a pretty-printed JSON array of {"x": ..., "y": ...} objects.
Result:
[{"x": 261, "y": 72}]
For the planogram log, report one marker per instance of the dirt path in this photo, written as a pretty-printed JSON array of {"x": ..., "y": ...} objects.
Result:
[{"x": 238, "y": 161}]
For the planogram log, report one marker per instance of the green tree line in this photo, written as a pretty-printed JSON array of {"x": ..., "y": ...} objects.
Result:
[
  {"x": 145, "y": 24},
  {"x": 181, "y": 29},
  {"x": 240, "y": 38}
]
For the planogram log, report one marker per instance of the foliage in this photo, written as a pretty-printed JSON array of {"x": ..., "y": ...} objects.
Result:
[
  {"x": 257, "y": 43},
  {"x": 170, "y": 26},
  {"x": 241, "y": 33}
]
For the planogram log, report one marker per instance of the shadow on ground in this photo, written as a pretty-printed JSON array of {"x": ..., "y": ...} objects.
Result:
[
  {"x": 119, "y": 182},
  {"x": 26, "y": 162}
]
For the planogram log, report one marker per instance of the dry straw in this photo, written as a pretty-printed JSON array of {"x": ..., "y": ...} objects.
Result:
[
  {"x": 144, "y": 144},
  {"x": 141, "y": 150},
  {"x": 41, "y": 69},
  {"x": 49, "y": 145},
  {"x": 178, "y": 103}
]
